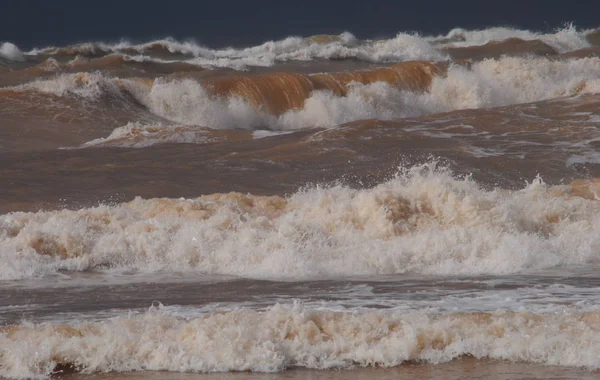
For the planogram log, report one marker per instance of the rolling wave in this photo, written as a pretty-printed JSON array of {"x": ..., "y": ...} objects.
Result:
[
  {"x": 294, "y": 336},
  {"x": 288, "y": 101},
  {"x": 424, "y": 221},
  {"x": 402, "y": 47},
  {"x": 562, "y": 40}
]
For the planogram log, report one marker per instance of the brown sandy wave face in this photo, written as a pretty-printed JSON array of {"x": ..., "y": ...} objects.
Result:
[
  {"x": 280, "y": 92},
  {"x": 593, "y": 51},
  {"x": 594, "y": 37},
  {"x": 158, "y": 50},
  {"x": 496, "y": 49},
  {"x": 291, "y": 336},
  {"x": 324, "y": 38}
]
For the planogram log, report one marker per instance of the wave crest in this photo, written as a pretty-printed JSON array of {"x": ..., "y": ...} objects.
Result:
[
  {"x": 293, "y": 336},
  {"x": 10, "y": 52},
  {"x": 424, "y": 221}
]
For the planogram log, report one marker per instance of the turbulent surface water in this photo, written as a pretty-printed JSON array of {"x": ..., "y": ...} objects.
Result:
[{"x": 417, "y": 207}]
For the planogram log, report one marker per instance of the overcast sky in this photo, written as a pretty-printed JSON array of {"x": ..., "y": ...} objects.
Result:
[{"x": 31, "y": 23}]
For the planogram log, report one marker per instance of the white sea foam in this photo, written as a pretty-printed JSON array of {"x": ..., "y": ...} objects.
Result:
[
  {"x": 138, "y": 135},
  {"x": 294, "y": 336},
  {"x": 422, "y": 222},
  {"x": 90, "y": 86},
  {"x": 10, "y": 52},
  {"x": 562, "y": 40}
]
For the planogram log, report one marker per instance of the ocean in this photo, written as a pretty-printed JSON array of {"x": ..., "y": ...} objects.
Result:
[{"x": 415, "y": 206}]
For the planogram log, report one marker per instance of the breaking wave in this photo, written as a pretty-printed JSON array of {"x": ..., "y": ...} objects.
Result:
[
  {"x": 293, "y": 336},
  {"x": 402, "y": 47},
  {"x": 286, "y": 101},
  {"x": 424, "y": 221},
  {"x": 563, "y": 40},
  {"x": 10, "y": 52}
]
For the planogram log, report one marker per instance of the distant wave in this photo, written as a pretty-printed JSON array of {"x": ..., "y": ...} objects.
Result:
[
  {"x": 562, "y": 40},
  {"x": 402, "y": 47}
]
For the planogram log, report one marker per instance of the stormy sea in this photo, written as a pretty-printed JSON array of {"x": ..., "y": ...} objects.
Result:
[{"x": 326, "y": 206}]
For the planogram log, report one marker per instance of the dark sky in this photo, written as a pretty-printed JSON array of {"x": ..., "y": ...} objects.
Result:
[{"x": 214, "y": 23}]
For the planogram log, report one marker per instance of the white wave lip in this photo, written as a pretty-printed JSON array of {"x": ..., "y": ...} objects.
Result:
[
  {"x": 10, "y": 52},
  {"x": 424, "y": 221},
  {"x": 292, "y": 336},
  {"x": 563, "y": 40}
]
